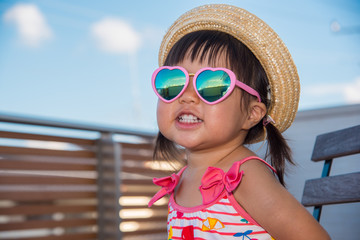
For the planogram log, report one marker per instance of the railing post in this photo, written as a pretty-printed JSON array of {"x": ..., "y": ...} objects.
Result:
[
  {"x": 117, "y": 174},
  {"x": 109, "y": 182}
]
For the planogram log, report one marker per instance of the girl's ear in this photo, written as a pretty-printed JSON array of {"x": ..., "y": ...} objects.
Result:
[{"x": 257, "y": 111}]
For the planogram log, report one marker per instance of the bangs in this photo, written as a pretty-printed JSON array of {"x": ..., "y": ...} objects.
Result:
[{"x": 199, "y": 45}]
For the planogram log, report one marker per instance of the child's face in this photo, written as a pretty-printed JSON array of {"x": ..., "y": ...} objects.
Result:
[{"x": 194, "y": 124}]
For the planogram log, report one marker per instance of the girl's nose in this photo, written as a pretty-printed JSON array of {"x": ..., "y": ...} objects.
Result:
[{"x": 189, "y": 95}]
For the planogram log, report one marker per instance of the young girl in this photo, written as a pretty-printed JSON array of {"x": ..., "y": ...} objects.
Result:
[{"x": 227, "y": 80}]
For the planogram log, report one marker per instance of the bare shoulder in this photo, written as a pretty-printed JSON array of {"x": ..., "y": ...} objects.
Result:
[
  {"x": 256, "y": 172},
  {"x": 258, "y": 184},
  {"x": 256, "y": 166},
  {"x": 272, "y": 206}
]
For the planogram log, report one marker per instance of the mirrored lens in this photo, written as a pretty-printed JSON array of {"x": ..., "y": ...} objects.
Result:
[
  {"x": 169, "y": 83},
  {"x": 213, "y": 85}
]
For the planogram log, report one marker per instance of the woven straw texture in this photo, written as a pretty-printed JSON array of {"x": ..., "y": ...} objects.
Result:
[{"x": 260, "y": 39}]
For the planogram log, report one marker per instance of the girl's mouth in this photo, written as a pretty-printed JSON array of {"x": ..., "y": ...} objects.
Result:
[{"x": 189, "y": 119}]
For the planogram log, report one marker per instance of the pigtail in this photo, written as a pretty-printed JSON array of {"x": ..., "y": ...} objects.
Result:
[
  {"x": 278, "y": 151},
  {"x": 165, "y": 149}
]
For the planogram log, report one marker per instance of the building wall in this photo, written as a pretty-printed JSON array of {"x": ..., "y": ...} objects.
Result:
[{"x": 341, "y": 221}]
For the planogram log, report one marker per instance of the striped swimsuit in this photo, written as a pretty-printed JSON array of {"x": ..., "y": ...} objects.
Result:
[{"x": 219, "y": 217}]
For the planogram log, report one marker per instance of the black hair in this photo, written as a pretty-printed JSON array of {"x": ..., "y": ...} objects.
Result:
[{"x": 249, "y": 70}]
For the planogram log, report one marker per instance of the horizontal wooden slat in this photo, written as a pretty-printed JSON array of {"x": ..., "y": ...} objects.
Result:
[
  {"x": 147, "y": 171},
  {"x": 56, "y": 166},
  {"x": 40, "y": 159},
  {"x": 27, "y": 136},
  {"x": 33, "y": 224},
  {"x": 42, "y": 196},
  {"x": 145, "y": 232},
  {"x": 138, "y": 194},
  {"x": 36, "y": 209},
  {"x": 153, "y": 207},
  {"x": 46, "y": 152},
  {"x": 146, "y": 146},
  {"x": 143, "y": 182},
  {"x": 337, "y": 144},
  {"x": 155, "y": 236},
  {"x": 136, "y": 157},
  {"x": 160, "y": 219},
  {"x": 138, "y": 189},
  {"x": 44, "y": 180},
  {"x": 330, "y": 190},
  {"x": 69, "y": 236}
]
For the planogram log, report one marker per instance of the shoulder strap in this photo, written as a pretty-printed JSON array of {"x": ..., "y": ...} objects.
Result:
[
  {"x": 181, "y": 171},
  {"x": 239, "y": 163},
  {"x": 167, "y": 184}
]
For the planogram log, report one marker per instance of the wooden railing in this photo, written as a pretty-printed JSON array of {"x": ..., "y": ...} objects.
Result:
[{"x": 63, "y": 180}]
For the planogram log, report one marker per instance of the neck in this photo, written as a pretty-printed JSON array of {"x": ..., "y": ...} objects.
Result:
[{"x": 215, "y": 157}]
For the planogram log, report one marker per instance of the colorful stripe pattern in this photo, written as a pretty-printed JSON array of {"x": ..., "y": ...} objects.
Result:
[{"x": 219, "y": 221}]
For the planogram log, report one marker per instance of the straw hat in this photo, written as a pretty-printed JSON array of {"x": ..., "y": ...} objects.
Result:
[{"x": 260, "y": 39}]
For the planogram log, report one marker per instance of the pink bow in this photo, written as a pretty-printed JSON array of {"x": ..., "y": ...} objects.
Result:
[
  {"x": 168, "y": 185},
  {"x": 215, "y": 181}
]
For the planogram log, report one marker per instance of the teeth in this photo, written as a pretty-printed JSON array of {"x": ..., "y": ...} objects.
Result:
[{"x": 188, "y": 118}]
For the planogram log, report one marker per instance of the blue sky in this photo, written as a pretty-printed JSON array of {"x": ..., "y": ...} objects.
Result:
[{"x": 91, "y": 61}]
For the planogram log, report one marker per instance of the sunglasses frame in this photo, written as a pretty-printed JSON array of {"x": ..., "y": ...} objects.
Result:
[{"x": 233, "y": 82}]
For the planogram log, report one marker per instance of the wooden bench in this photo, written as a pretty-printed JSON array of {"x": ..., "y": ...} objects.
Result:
[{"x": 344, "y": 188}]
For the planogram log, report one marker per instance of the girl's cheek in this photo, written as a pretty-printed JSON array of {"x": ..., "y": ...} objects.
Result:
[{"x": 162, "y": 114}]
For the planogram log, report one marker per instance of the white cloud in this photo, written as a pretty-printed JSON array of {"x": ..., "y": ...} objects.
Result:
[
  {"x": 352, "y": 91},
  {"x": 115, "y": 35},
  {"x": 320, "y": 90},
  {"x": 30, "y": 23}
]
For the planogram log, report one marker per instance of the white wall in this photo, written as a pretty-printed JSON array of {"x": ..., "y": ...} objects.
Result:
[{"x": 341, "y": 221}]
